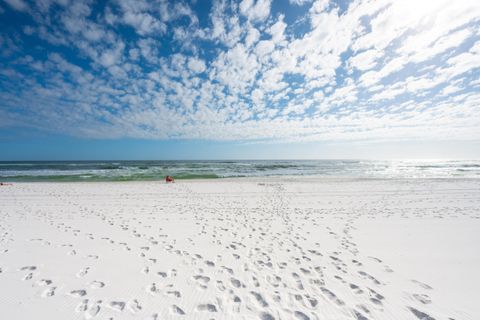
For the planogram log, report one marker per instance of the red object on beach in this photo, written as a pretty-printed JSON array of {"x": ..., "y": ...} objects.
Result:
[{"x": 169, "y": 179}]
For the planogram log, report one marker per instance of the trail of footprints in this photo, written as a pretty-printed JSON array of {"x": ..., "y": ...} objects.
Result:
[{"x": 269, "y": 270}]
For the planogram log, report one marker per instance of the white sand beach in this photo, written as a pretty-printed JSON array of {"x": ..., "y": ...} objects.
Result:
[{"x": 263, "y": 248}]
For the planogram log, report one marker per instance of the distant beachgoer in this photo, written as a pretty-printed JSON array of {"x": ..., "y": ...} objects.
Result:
[
  {"x": 5, "y": 184},
  {"x": 169, "y": 179}
]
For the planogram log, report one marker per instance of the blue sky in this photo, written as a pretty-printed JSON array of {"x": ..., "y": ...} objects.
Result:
[{"x": 138, "y": 79}]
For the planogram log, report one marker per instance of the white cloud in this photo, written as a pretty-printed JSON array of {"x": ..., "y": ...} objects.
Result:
[
  {"x": 252, "y": 37},
  {"x": 277, "y": 30},
  {"x": 373, "y": 77},
  {"x": 143, "y": 23},
  {"x": 255, "y": 10},
  {"x": 299, "y": 2},
  {"x": 148, "y": 48},
  {"x": 196, "y": 65},
  {"x": 235, "y": 68},
  {"x": 365, "y": 60},
  {"x": 451, "y": 89},
  {"x": 19, "y": 5},
  {"x": 113, "y": 56},
  {"x": 319, "y": 6},
  {"x": 264, "y": 47},
  {"x": 376, "y": 69}
]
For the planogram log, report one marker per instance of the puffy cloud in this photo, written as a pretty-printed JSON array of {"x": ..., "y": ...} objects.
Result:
[
  {"x": 152, "y": 69},
  {"x": 196, "y": 65},
  {"x": 255, "y": 10},
  {"x": 148, "y": 48},
  {"x": 143, "y": 23},
  {"x": 277, "y": 30},
  {"x": 19, "y": 5},
  {"x": 365, "y": 60},
  {"x": 252, "y": 37},
  {"x": 264, "y": 47},
  {"x": 236, "y": 69},
  {"x": 299, "y": 2}
]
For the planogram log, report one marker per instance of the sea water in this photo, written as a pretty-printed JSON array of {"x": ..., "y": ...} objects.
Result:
[{"x": 157, "y": 170}]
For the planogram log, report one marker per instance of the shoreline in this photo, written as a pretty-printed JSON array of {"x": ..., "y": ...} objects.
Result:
[{"x": 283, "y": 178}]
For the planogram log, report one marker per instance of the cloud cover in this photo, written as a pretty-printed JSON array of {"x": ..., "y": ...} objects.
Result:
[{"x": 250, "y": 70}]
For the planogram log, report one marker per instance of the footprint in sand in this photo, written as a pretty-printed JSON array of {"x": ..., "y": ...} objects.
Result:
[
  {"x": 29, "y": 276},
  {"x": 259, "y": 298},
  {"x": 266, "y": 316},
  {"x": 356, "y": 289},
  {"x": 83, "y": 272},
  {"x": 44, "y": 282},
  {"x": 28, "y": 268},
  {"x": 359, "y": 316},
  {"x": 235, "y": 282},
  {"x": 300, "y": 315},
  {"x": 83, "y": 306},
  {"x": 420, "y": 315},
  {"x": 49, "y": 292},
  {"x": 78, "y": 293},
  {"x": 173, "y": 293},
  {"x": 227, "y": 269},
  {"x": 220, "y": 285},
  {"x": 422, "y": 298},
  {"x": 312, "y": 302},
  {"x": 376, "y": 298},
  {"x": 152, "y": 289},
  {"x": 116, "y": 305},
  {"x": 207, "y": 307},
  {"x": 423, "y": 285},
  {"x": 332, "y": 296},
  {"x": 177, "y": 310},
  {"x": 93, "y": 310},
  {"x": 162, "y": 274},
  {"x": 202, "y": 281},
  {"x": 209, "y": 263},
  {"x": 97, "y": 284},
  {"x": 366, "y": 275},
  {"x": 274, "y": 280}
]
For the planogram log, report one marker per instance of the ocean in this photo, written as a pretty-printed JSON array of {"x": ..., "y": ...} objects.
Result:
[{"x": 17, "y": 171}]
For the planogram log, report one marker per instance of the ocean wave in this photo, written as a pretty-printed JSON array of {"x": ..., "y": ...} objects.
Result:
[
  {"x": 157, "y": 170},
  {"x": 93, "y": 177}
]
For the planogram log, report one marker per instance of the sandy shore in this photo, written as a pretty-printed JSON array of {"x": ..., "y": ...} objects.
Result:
[{"x": 241, "y": 249}]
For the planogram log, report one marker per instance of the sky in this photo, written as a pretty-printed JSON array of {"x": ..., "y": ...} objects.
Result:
[{"x": 155, "y": 79}]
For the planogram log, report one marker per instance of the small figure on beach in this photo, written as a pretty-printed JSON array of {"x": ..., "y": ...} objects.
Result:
[
  {"x": 5, "y": 184},
  {"x": 169, "y": 179}
]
